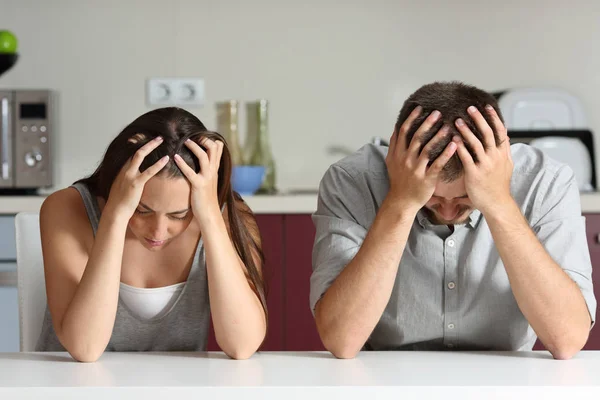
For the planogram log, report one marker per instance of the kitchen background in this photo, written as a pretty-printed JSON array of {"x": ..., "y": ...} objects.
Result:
[{"x": 335, "y": 75}]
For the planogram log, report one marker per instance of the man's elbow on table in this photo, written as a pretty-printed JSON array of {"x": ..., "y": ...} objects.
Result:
[
  {"x": 566, "y": 348},
  {"x": 340, "y": 344},
  {"x": 343, "y": 352}
]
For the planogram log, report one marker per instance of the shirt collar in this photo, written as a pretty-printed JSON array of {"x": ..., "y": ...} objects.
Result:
[{"x": 474, "y": 219}]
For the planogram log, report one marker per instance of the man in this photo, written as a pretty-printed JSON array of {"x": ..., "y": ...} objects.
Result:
[{"x": 451, "y": 238}]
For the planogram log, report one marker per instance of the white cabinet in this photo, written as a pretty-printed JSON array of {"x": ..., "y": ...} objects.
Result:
[
  {"x": 9, "y": 313},
  {"x": 9, "y": 319},
  {"x": 8, "y": 246}
]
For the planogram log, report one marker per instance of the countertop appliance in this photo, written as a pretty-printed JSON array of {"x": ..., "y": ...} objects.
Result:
[
  {"x": 554, "y": 121},
  {"x": 541, "y": 108},
  {"x": 572, "y": 147},
  {"x": 26, "y": 133},
  {"x": 570, "y": 151}
]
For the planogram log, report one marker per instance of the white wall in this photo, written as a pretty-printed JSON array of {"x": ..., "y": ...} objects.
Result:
[{"x": 334, "y": 73}]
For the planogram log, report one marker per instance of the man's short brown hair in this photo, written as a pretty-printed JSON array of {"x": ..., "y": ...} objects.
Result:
[{"x": 451, "y": 99}]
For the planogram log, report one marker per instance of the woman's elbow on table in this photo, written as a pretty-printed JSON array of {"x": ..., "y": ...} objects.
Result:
[
  {"x": 85, "y": 355},
  {"x": 240, "y": 353}
]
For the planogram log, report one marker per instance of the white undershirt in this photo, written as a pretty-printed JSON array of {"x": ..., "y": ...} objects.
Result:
[{"x": 148, "y": 303}]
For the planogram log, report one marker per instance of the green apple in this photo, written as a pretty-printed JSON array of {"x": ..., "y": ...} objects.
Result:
[{"x": 8, "y": 42}]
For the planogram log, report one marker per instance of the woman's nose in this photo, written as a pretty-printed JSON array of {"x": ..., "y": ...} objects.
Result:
[{"x": 159, "y": 229}]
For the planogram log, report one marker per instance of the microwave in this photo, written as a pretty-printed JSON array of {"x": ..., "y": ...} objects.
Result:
[{"x": 26, "y": 133}]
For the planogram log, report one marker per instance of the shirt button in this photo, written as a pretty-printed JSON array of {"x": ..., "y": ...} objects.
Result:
[
  {"x": 451, "y": 243},
  {"x": 451, "y": 285},
  {"x": 450, "y": 326}
]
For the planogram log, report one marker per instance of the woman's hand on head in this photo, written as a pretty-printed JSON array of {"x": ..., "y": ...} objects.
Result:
[
  {"x": 204, "y": 184},
  {"x": 126, "y": 190}
]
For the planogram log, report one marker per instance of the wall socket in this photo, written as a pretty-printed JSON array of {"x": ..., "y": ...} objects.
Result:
[{"x": 175, "y": 92}]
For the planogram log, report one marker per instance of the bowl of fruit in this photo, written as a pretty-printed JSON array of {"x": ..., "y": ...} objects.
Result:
[{"x": 8, "y": 50}]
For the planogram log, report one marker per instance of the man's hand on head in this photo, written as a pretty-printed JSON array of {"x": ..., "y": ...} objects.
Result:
[
  {"x": 412, "y": 181},
  {"x": 487, "y": 181}
]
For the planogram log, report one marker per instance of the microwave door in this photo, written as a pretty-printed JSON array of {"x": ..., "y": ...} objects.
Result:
[{"x": 6, "y": 139}]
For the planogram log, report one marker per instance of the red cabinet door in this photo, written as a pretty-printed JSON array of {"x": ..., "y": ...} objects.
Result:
[
  {"x": 593, "y": 232},
  {"x": 592, "y": 222},
  {"x": 271, "y": 231},
  {"x": 300, "y": 329}
]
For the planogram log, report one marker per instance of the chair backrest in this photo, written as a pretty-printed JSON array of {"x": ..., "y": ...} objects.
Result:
[{"x": 30, "y": 279}]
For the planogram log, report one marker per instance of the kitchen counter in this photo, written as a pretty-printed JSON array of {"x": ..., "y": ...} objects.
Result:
[
  {"x": 261, "y": 204},
  {"x": 271, "y": 375}
]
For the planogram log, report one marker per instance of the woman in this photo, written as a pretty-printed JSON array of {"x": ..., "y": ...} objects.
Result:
[{"x": 135, "y": 253}]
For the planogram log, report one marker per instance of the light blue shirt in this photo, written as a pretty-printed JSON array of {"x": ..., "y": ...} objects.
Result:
[{"x": 451, "y": 289}]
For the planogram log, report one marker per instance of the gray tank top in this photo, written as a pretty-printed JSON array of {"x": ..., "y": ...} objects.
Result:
[{"x": 182, "y": 328}]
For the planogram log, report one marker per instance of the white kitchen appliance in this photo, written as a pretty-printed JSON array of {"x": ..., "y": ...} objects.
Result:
[
  {"x": 572, "y": 152},
  {"x": 541, "y": 108},
  {"x": 552, "y": 120}
]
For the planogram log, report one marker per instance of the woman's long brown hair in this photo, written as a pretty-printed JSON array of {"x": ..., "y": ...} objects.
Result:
[{"x": 176, "y": 125}]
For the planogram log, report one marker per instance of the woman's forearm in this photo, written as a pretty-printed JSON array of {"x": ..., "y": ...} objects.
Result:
[
  {"x": 237, "y": 314},
  {"x": 87, "y": 325}
]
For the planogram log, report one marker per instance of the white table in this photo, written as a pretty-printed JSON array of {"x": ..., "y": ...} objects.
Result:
[{"x": 283, "y": 375}]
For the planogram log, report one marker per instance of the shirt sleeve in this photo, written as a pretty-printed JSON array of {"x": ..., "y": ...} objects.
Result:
[
  {"x": 339, "y": 233},
  {"x": 561, "y": 230}
]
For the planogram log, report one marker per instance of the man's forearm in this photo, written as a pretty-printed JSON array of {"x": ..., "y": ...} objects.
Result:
[
  {"x": 546, "y": 295},
  {"x": 353, "y": 305}
]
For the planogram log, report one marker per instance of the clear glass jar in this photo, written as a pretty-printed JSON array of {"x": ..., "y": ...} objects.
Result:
[
  {"x": 258, "y": 148},
  {"x": 227, "y": 126}
]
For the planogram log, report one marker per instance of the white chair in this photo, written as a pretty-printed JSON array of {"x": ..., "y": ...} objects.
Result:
[{"x": 30, "y": 279}]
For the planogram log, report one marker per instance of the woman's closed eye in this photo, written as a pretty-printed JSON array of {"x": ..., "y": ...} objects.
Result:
[{"x": 179, "y": 217}]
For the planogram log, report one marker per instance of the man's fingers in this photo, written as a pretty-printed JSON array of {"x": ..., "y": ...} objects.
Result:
[
  {"x": 424, "y": 158},
  {"x": 393, "y": 143},
  {"x": 442, "y": 160},
  {"x": 486, "y": 131},
  {"x": 463, "y": 153},
  {"x": 417, "y": 140},
  {"x": 498, "y": 125},
  {"x": 470, "y": 138},
  {"x": 405, "y": 127}
]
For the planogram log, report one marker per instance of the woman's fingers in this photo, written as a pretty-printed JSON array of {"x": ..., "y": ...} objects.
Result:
[
  {"x": 154, "y": 169},
  {"x": 214, "y": 150},
  {"x": 200, "y": 154},
  {"x": 142, "y": 152},
  {"x": 185, "y": 168}
]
